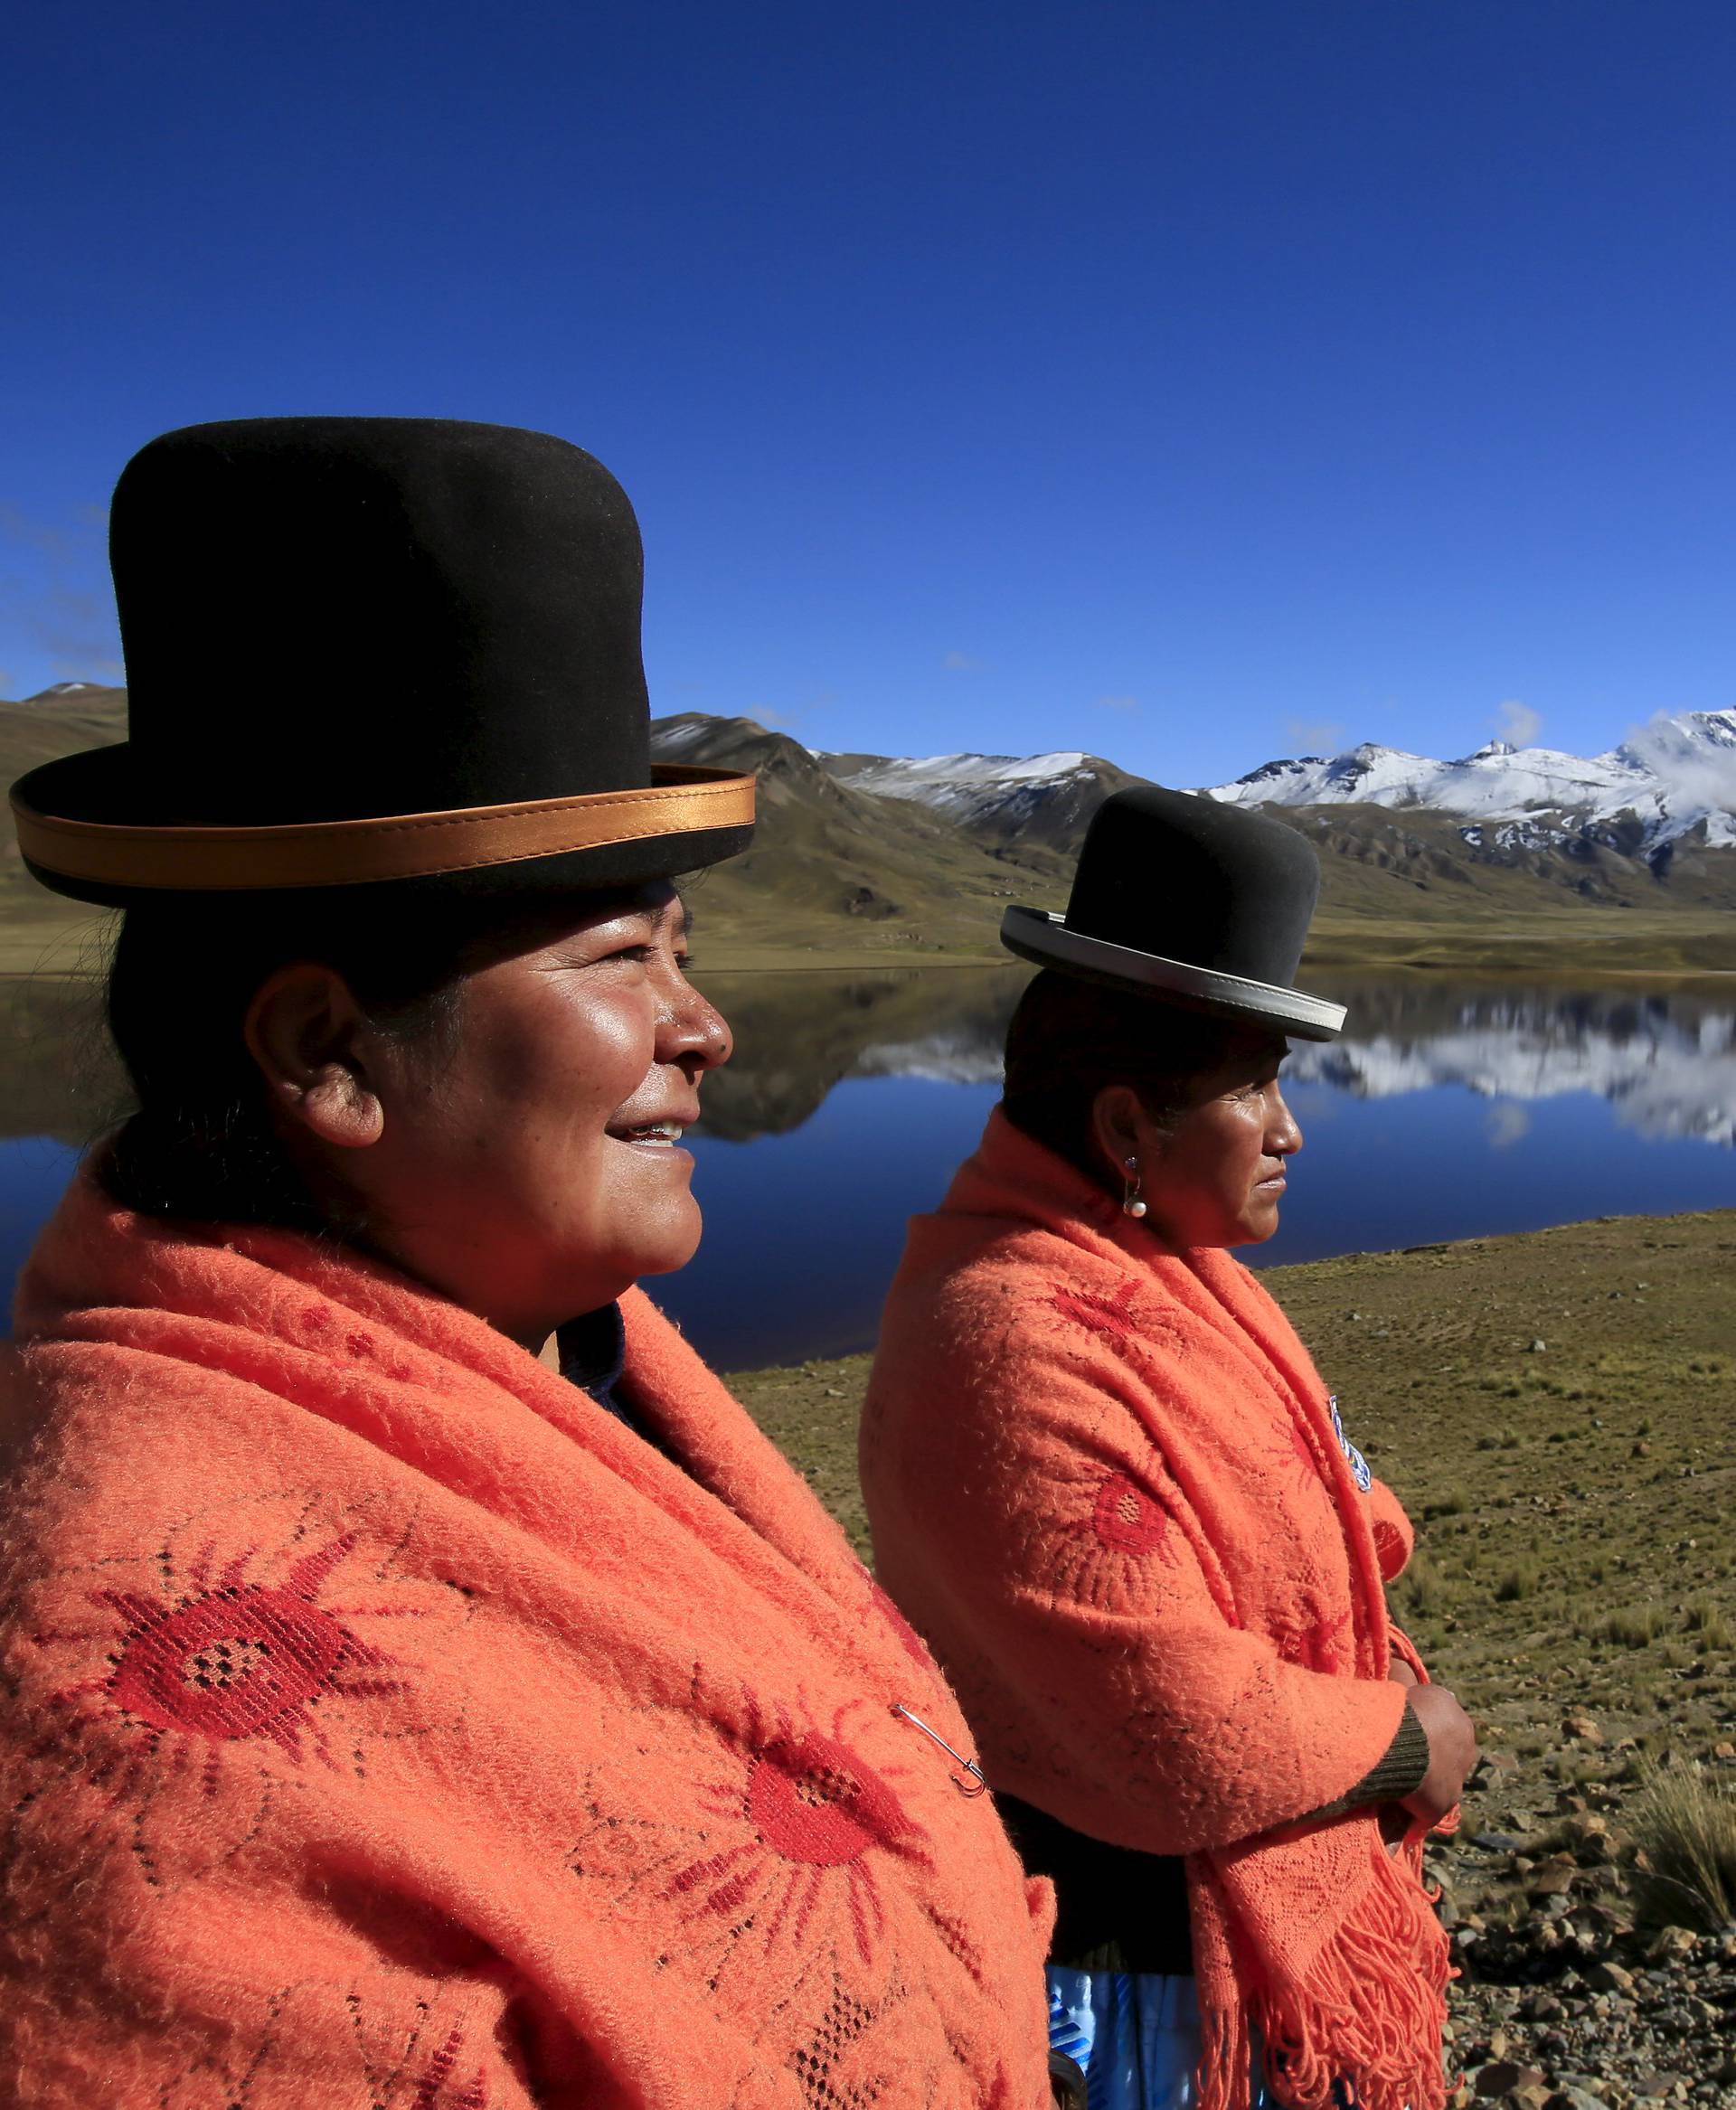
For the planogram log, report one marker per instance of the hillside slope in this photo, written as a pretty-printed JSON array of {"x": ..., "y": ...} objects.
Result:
[
  {"x": 861, "y": 857},
  {"x": 37, "y": 928},
  {"x": 832, "y": 868},
  {"x": 1045, "y": 802}
]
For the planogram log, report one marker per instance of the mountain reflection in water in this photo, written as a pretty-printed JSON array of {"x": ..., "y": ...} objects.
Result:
[
  {"x": 1665, "y": 1063},
  {"x": 1447, "y": 1110}
]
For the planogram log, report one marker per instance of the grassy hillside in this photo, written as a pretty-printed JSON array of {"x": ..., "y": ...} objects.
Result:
[
  {"x": 834, "y": 872},
  {"x": 837, "y": 877},
  {"x": 39, "y": 932}
]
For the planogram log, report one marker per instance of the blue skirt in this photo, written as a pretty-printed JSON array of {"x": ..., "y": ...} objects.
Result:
[{"x": 1136, "y": 2034}]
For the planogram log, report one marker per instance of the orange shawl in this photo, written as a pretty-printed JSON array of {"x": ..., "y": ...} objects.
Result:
[
  {"x": 1105, "y": 1481},
  {"x": 389, "y": 1725}
]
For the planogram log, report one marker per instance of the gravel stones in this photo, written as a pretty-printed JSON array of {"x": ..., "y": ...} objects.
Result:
[{"x": 1591, "y": 2014}]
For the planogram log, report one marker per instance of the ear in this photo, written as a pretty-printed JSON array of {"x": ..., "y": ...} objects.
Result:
[
  {"x": 1118, "y": 1127},
  {"x": 309, "y": 1037}
]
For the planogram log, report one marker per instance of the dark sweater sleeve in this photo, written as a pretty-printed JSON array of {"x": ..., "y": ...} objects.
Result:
[{"x": 1397, "y": 1773}]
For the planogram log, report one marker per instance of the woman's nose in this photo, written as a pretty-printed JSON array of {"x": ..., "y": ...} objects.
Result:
[
  {"x": 699, "y": 1033},
  {"x": 1284, "y": 1134}
]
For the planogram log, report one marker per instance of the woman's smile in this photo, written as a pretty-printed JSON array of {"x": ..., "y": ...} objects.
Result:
[
  {"x": 557, "y": 1128},
  {"x": 662, "y": 1136}
]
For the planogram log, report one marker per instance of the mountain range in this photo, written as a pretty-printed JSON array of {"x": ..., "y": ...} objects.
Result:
[
  {"x": 1677, "y": 780},
  {"x": 1649, "y": 826},
  {"x": 1516, "y": 852},
  {"x": 1510, "y": 857}
]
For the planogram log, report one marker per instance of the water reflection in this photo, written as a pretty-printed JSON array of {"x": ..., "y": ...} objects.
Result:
[
  {"x": 799, "y": 1035},
  {"x": 1447, "y": 1111},
  {"x": 1666, "y": 1063}
]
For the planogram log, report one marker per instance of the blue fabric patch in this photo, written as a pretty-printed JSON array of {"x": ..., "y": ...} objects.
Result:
[
  {"x": 1357, "y": 1463},
  {"x": 1136, "y": 2037}
]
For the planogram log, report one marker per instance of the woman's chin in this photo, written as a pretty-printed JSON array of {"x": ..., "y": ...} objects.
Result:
[
  {"x": 1258, "y": 1224},
  {"x": 673, "y": 1245}
]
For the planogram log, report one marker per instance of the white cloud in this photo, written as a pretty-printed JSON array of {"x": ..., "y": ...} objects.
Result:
[
  {"x": 1118, "y": 704},
  {"x": 1518, "y": 724},
  {"x": 57, "y": 602},
  {"x": 775, "y": 719},
  {"x": 961, "y": 662},
  {"x": 1507, "y": 1123},
  {"x": 1703, "y": 773},
  {"x": 1315, "y": 736}
]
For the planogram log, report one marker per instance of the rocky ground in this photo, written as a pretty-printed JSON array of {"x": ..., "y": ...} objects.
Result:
[
  {"x": 1558, "y": 1412},
  {"x": 1572, "y": 1993}
]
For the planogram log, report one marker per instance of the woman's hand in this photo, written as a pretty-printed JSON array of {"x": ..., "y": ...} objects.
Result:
[
  {"x": 1402, "y": 1673},
  {"x": 1452, "y": 1751}
]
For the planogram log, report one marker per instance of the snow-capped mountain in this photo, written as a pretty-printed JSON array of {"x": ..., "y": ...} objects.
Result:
[
  {"x": 1675, "y": 779},
  {"x": 954, "y": 782},
  {"x": 1048, "y": 797},
  {"x": 1677, "y": 776}
]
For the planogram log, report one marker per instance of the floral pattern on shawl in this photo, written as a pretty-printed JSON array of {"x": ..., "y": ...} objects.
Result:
[{"x": 259, "y": 1643}]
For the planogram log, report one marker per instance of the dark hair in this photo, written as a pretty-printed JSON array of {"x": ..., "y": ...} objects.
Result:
[
  {"x": 202, "y": 1142},
  {"x": 1069, "y": 1037}
]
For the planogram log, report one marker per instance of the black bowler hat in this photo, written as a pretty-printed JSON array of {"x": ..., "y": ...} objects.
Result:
[
  {"x": 375, "y": 650},
  {"x": 1191, "y": 902}
]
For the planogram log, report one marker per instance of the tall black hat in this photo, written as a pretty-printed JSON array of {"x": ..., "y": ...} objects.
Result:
[
  {"x": 1191, "y": 902},
  {"x": 375, "y": 650}
]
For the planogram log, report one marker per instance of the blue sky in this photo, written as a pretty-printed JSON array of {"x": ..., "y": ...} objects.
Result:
[{"x": 1194, "y": 383}]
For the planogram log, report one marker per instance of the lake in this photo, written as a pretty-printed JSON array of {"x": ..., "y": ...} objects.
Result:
[{"x": 1447, "y": 1111}]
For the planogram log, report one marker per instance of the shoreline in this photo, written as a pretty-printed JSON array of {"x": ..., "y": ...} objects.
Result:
[
  {"x": 1683, "y": 949},
  {"x": 1565, "y": 974}
]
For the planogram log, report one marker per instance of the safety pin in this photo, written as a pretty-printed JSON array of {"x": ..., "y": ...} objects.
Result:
[{"x": 969, "y": 1765}]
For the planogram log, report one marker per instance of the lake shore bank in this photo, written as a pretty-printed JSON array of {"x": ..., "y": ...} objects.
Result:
[
  {"x": 1557, "y": 1410},
  {"x": 1684, "y": 948}
]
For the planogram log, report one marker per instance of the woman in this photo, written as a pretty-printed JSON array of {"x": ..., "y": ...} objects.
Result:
[
  {"x": 1136, "y": 1535},
  {"x": 428, "y": 1688}
]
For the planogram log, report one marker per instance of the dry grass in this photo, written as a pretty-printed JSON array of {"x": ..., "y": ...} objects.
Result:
[
  {"x": 1631, "y": 1626},
  {"x": 1684, "y": 1821}
]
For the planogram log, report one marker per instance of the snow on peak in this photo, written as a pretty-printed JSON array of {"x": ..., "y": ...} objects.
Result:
[
  {"x": 965, "y": 787},
  {"x": 1676, "y": 775},
  {"x": 63, "y": 692},
  {"x": 923, "y": 777}
]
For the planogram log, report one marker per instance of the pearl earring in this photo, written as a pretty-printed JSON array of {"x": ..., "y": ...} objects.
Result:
[{"x": 1131, "y": 1202}]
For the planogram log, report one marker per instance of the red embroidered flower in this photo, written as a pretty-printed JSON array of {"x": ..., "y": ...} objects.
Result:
[
  {"x": 241, "y": 1649},
  {"x": 1109, "y": 1316},
  {"x": 240, "y": 1659},
  {"x": 1389, "y": 1549},
  {"x": 1320, "y": 1642},
  {"x": 814, "y": 1801},
  {"x": 1126, "y": 1518},
  {"x": 781, "y": 1859},
  {"x": 441, "y": 2074}
]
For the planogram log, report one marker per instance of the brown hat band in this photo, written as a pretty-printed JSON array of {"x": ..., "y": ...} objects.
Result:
[{"x": 342, "y": 854}]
